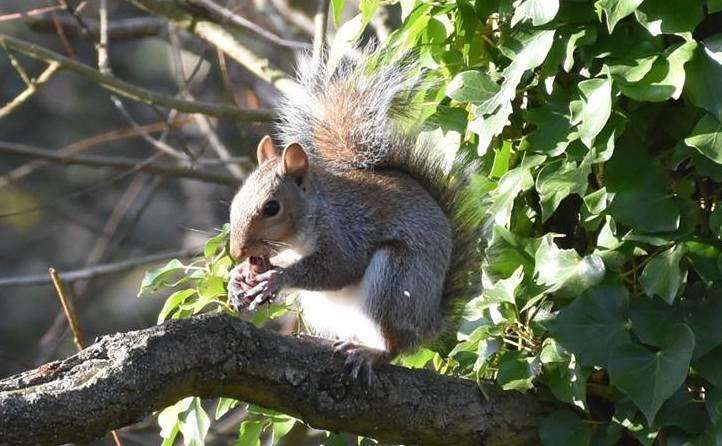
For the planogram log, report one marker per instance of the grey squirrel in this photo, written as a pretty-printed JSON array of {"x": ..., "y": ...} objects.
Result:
[{"x": 364, "y": 223}]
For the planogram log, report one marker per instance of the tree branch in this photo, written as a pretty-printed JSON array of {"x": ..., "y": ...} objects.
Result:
[
  {"x": 116, "y": 162},
  {"x": 101, "y": 269},
  {"x": 135, "y": 28},
  {"x": 126, "y": 376},
  {"x": 229, "y": 39},
  {"x": 132, "y": 91}
]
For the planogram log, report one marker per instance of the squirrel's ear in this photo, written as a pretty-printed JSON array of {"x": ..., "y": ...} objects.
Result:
[
  {"x": 295, "y": 161},
  {"x": 265, "y": 150}
]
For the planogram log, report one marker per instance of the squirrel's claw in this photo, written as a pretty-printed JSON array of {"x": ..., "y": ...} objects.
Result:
[
  {"x": 268, "y": 285},
  {"x": 360, "y": 360}
]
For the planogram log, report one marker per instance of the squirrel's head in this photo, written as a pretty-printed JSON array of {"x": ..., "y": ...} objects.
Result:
[{"x": 268, "y": 209}]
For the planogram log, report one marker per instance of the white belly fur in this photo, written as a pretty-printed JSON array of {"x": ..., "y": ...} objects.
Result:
[{"x": 341, "y": 314}]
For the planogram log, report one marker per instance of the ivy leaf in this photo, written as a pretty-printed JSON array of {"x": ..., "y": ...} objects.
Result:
[
  {"x": 715, "y": 220},
  {"x": 593, "y": 324},
  {"x": 616, "y": 10},
  {"x": 540, "y": 12},
  {"x": 516, "y": 372},
  {"x": 558, "y": 180},
  {"x": 224, "y": 405},
  {"x": 368, "y": 9},
  {"x": 665, "y": 79},
  {"x": 502, "y": 198},
  {"x": 506, "y": 253},
  {"x": 650, "y": 378},
  {"x": 663, "y": 276},
  {"x": 565, "y": 428},
  {"x": 707, "y": 138},
  {"x": 670, "y": 16},
  {"x": 554, "y": 130},
  {"x": 194, "y": 424},
  {"x": 501, "y": 291},
  {"x": 704, "y": 72},
  {"x": 472, "y": 86},
  {"x": 249, "y": 433},
  {"x": 705, "y": 258},
  {"x": 651, "y": 319},
  {"x": 714, "y": 6},
  {"x": 595, "y": 109},
  {"x": 710, "y": 367},
  {"x": 682, "y": 410},
  {"x": 705, "y": 319},
  {"x": 563, "y": 271}
]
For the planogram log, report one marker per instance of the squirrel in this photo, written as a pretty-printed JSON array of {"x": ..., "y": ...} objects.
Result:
[{"x": 368, "y": 226}]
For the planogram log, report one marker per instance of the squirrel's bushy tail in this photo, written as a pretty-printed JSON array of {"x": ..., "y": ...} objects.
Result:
[{"x": 351, "y": 116}]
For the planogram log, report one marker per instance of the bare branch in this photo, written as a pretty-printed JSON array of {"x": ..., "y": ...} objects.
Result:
[
  {"x": 226, "y": 16},
  {"x": 31, "y": 89},
  {"x": 99, "y": 270},
  {"x": 229, "y": 39},
  {"x": 132, "y": 91},
  {"x": 134, "y": 28},
  {"x": 126, "y": 376},
  {"x": 114, "y": 162}
]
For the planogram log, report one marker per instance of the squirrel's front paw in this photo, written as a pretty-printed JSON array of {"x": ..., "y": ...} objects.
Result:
[
  {"x": 268, "y": 285},
  {"x": 239, "y": 282}
]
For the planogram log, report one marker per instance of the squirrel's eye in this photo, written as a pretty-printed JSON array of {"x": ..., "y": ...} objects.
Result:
[{"x": 271, "y": 208}]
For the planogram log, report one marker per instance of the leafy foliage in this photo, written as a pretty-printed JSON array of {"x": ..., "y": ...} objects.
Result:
[{"x": 598, "y": 129}]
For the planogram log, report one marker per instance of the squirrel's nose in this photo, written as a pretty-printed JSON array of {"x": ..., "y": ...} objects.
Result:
[{"x": 237, "y": 252}]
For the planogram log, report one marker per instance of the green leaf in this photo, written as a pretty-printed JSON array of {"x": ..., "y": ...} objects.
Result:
[
  {"x": 554, "y": 130},
  {"x": 217, "y": 242},
  {"x": 650, "y": 378},
  {"x": 337, "y": 11},
  {"x": 368, "y": 9},
  {"x": 665, "y": 80},
  {"x": 516, "y": 372},
  {"x": 707, "y": 138},
  {"x": 194, "y": 424},
  {"x": 663, "y": 275},
  {"x": 704, "y": 72},
  {"x": 472, "y": 86},
  {"x": 616, "y": 10},
  {"x": 501, "y": 160},
  {"x": 161, "y": 277},
  {"x": 282, "y": 426},
  {"x": 705, "y": 319},
  {"x": 168, "y": 418},
  {"x": 705, "y": 258},
  {"x": 506, "y": 253},
  {"x": 417, "y": 360},
  {"x": 715, "y": 220},
  {"x": 501, "y": 291},
  {"x": 593, "y": 324},
  {"x": 568, "y": 383},
  {"x": 224, "y": 405},
  {"x": 249, "y": 433},
  {"x": 558, "y": 180},
  {"x": 670, "y": 16},
  {"x": 652, "y": 318},
  {"x": 595, "y": 110},
  {"x": 563, "y": 271},
  {"x": 540, "y": 12},
  {"x": 565, "y": 428},
  {"x": 714, "y": 6},
  {"x": 683, "y": 410},
  {"x": 502, "y": 198},
  {"x": 173, "y": 302},
  {"x": 709, "y": 366}
]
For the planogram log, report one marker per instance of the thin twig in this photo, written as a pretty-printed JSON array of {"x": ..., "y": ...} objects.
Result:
[
  {"x": 203, "y": 122},
  {"x": 119, "y": 163},
  {"x": 320, "y": 27},
  {"x": 231, "y": 41},
  {"x": 134, "y": 28},
  {"x": 67, "y": 309},
  {"x": 74, "y": 325},
  {"x": 25, "y": 14},
  {"x": 90, "y": 142},
  {"x": 225, "y": 16},
  {"x": 31, "y": 89},
  {"x": 134, "y": 92},
  {"x": 296, "y": 17},
  {"x": 103, "y": 269}
]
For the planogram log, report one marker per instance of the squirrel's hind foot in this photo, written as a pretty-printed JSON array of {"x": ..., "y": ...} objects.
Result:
[{"x": 361, "y": 360}]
